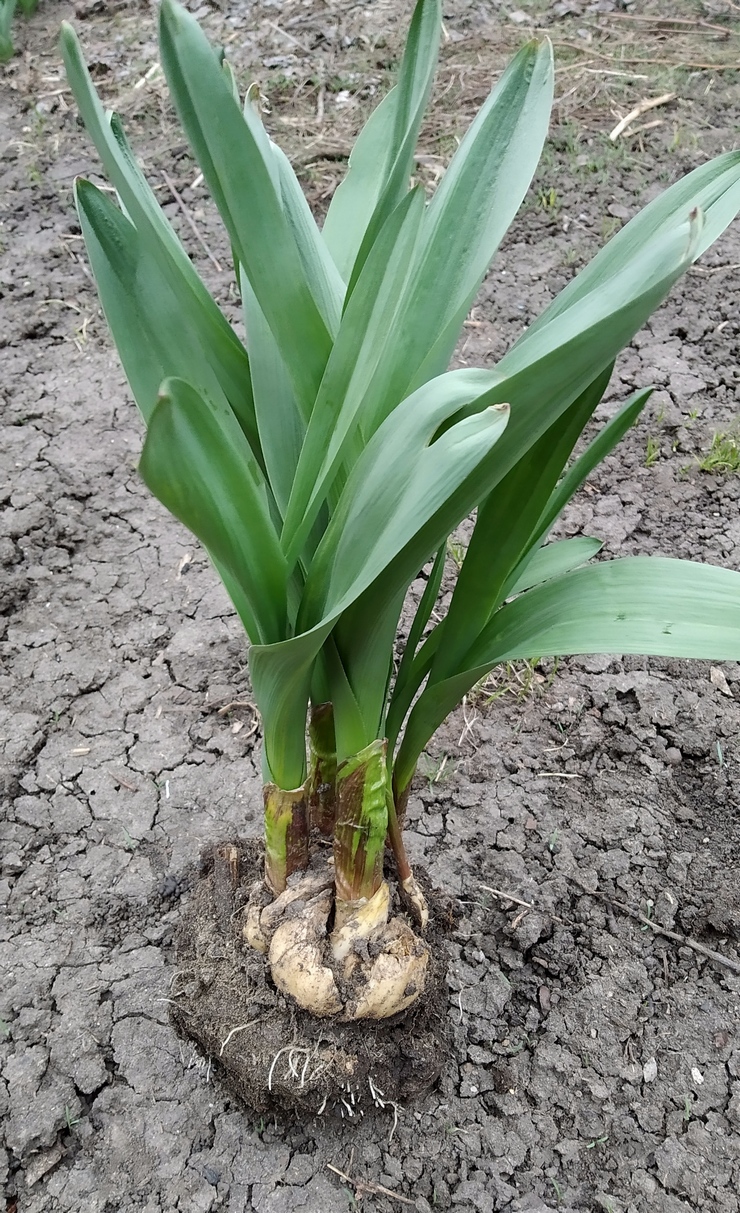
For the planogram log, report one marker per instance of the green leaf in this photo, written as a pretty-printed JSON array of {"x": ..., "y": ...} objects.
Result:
[
  {"x": 381, "y": 161},
  {"x": 545, "y": 378},
  {"x": 281, "y": 675},
  {"x": 414, "y": 86},
  {"x": 714, "y": 189},
  {"x": 555, "y": 559},
  {"x": 198, "y": 463},
  {"x": 354, "y": 361},
  {"x": 414, "y": 666},
  {"x": 402, "y": 479},
  {"x": 224, "y": 351},
  {"x": 562, "y": 364},
  {"x": 365, "y": 649},
  {"x": 506, "y": 528},
  {"x": 597, "y": 450},
  {"x": 422, "y": 615},
  {"x": 7, "y": 9},
  {"x": 640, "y": 604},
  {"x": 156, "y": 333},
  {"x": 465, "y": 222},
  {"x": 280, "y": 424},
  {"x": 650, "y": 605},
  {"x": 320, "y": 270},
  {"x": 238, "y": 165}
]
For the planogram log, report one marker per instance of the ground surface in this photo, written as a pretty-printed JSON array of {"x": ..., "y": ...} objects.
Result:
[{"x": 596, "y": 1063}]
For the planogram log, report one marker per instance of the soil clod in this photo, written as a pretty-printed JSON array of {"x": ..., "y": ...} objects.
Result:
[{"x": 285, "y": 1059}]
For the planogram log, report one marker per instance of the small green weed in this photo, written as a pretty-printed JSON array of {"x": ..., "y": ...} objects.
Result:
[
  {"x": 549, "y": 199},
  {"x": 435, "y": 770},
  {"x": 652, "y": 452},
  {"x": 609, "y": 226},
  {"x": 723, "y": 455},
  {"x": 558, "y": 1191},
  {"x": 597, "y": 1141}
]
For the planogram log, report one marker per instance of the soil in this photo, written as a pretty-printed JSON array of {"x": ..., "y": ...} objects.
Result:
[{"x": 595, "y": 1061}]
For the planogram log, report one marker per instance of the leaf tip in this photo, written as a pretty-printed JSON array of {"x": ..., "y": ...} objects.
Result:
[{"x": 68, "y": 40}]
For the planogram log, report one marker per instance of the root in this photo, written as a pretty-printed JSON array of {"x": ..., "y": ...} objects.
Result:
[
  {"x": 417, "y": 901},
  {"x": 370, "y": 967}
]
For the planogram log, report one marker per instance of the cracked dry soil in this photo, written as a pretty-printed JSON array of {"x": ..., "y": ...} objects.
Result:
[{"x": 595, "y": 1063}]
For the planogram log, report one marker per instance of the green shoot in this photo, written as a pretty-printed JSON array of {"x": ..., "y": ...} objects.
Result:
[{"x": 652, "y": 452}]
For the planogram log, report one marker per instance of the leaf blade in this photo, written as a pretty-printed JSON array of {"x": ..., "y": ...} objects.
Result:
[
  {"x": 238, "y": 164},
  {"x": 466, "y": 220},
  {"x": 639, "y": 604},
  {"x": 381, "y": 160},
  {"x": 197, "y": 462},
  {"x": 354, "y": 360}
]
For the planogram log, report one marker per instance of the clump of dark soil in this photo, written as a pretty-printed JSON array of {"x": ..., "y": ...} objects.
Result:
[{"x": 272, "y": 1054}]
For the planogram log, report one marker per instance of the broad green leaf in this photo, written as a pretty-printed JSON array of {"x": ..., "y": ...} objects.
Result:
[
  {"x": 198, "y": 463},
  {"x": 650, "y": 605},
  {"x": 574, "y": 349},
  {"x": 354, "y": 361},
  {"x": 414, "y": 86},
  {"x": 199, "y": 311},
  {"x": 402, "y": 479},
  {"x": 422, "y": 616},
  {"x": 639, "y": 604},
  {"x": 356, "y": 197},
  {"x": 547, "y": 562},
  {"x": 466, "y": 220},
  {"x": 352, "y": 732},
  {"x": 320, "y": 270},
  {"x": 237, "y": 164},
  {"x": 414, "y": 666},
  {"x": 155, "y": 335},
  {"x": 544, "y": 564},
  {"x": 367, "y": 660},
  {"x": 7, "y": 9},
  {"x": 554, "y": 559},
  {"x": 380, "y": 162},
  {"x": 506, "y": 528},
  {"x": 714, "y": 189},
  {"x": 282, "y": 672},
  {"x": 280, "y": 424},
  {"x": 281, "y": 676}
]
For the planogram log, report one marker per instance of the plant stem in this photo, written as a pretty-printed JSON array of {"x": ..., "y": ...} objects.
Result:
[
  {"x": 362, "y": 823},
  {"x": 322, "y": 770},
  {"x": 395, "y": 837},
  {"x": 286, "y": 834},
  {"x": 400, "y": 801}
]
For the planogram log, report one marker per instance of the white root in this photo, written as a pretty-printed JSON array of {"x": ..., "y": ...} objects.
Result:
[{"x": 418, "y": 902}]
